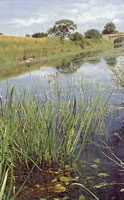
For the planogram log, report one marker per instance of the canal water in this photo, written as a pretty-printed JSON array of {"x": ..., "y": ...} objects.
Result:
[{"x": 99, "y": 167}]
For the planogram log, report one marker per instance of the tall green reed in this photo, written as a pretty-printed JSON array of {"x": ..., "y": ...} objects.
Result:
[{"x": 38, "y": 132}]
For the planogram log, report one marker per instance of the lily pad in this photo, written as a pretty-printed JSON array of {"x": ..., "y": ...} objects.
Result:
[
  {"x": 94, "y": 166},
  {"x": 64, "y": 179},
  {"x": 103, "y": 174},
  {"x": 97, "y": 160},
  {"x": 54, "y": 180},
  {"x": 59, "y": 188},
  {"x": 82, "y": 197}
]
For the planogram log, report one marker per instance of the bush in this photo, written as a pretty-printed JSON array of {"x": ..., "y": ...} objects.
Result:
[
  {"x": 93, "y": 34},
  {"x": 76, "y": 37},
  {"x": 109, "y": 28},
  {"x": 27, "y": 35},
  {"x": 39, "y": 35}
]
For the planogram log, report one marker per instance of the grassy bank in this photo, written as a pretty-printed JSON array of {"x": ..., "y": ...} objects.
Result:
[{"x": 16, "y": 51}]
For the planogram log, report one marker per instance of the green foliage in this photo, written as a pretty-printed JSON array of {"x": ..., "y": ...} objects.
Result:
[
  {"x": 109, "y": 28},
  {"x": 34, "y": 133},
  {"x": 1, "y": 33},
  {"x": 27, "y": 35},
  {"x": 93, "y": 34},
  {"x": 62, "y": 28},
  {"x": 76, "y": 37},
  {"x": 39, "y": 35}
]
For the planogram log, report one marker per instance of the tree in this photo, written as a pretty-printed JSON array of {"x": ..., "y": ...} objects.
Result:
[
  {"x": 62, "y": 29},
  {"x": 93, "y": 34},
  {"x": 76, "y": 37},
  {"x": 109, "y": 28},
  {"x": 39, "y": 35}
]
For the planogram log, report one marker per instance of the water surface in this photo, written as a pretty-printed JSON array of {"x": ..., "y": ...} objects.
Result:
[{"x": 90, "y": 74}]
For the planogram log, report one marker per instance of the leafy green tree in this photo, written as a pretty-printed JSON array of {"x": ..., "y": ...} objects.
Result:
[
  {"x": 1, "y": 33},
  {"x": 62, "y": 29},
  {"x": 39, "y": 35},
  {"x": 109, "y": 28},
  {"x": 76, "y": 37},
  {"x": 93, "y": 34},
  {"x": 27, "y": 35}
]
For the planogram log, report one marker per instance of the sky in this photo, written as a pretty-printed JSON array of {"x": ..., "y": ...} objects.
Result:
[{"x": 21, "y": 17}]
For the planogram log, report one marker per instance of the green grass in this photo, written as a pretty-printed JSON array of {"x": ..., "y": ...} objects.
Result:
[
  {"x": 39, "y": 134},
  {"x": 15, "y": 50}
]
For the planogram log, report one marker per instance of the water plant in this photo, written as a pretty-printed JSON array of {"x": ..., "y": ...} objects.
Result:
[{"x": 38, "y": 134}]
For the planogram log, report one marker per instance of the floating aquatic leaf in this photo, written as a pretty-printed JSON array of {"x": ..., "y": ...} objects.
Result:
[
  {"x": 37, "y": 186},
  {"x": 68, "y": 167},
  {"x": 89, "y": 177},
  {"x": 66, "y": 198},
  {"x": 103, "y": 174},
  {"x": 97, "y": 160},
  {"x": 54, "y": 180},
  {"x": 57, "y": 172},
  {"x": 66, "y": 179},
  {"x": 103, "y": 184},
  {"x": 42, "y": 199},
  {"x": 82, "y": 197},
  {"x": 94, "y": 166},
  {"x": 122, "y": 190},
  {"x": 59, "y": 188}
]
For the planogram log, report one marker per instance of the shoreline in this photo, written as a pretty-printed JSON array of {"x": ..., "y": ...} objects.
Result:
[{"x": 20, "y": 54}]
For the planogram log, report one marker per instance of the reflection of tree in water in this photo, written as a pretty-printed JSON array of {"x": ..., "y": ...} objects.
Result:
[
  {"x": 72, "y": 65},
  {"x": 68, "y": 67}
]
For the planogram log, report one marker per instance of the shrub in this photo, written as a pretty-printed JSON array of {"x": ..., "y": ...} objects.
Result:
[
  {"x": 76, "y": 37},
  {"x": 27, "y": 35},
  {"x": 109, "y": 28},
  {"x": 93, "y": 34},
  {"x": 39, "y": 35}
]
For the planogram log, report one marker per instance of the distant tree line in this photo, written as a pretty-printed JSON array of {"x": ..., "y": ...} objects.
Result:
[{"x": 66, "y": 28}]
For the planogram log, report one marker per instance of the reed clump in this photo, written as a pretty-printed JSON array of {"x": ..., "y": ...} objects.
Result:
[{"x": 39, "y": 134}]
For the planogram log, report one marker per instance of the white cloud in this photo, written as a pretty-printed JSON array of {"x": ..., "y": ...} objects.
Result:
[
  {"x": 28, "y": 22},
  {"x": 86, "y": 14}
]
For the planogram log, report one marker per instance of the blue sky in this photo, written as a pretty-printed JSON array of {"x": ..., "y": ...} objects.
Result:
[{"x": 20, "y": 17}]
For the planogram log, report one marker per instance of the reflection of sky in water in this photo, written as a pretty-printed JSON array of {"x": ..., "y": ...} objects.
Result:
[
  {"x": 95, "y": 73},
  {"x": 92, "y": 72}
]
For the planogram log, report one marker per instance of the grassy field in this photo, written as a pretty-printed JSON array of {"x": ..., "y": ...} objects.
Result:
[{"x": 15, "y": 51}]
